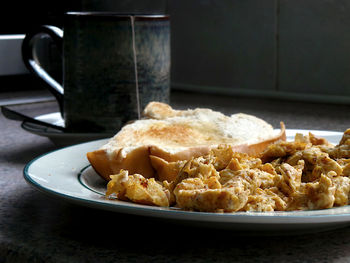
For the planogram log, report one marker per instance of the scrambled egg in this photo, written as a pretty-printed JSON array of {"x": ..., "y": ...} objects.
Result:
[{"x": 309, "y": 173}]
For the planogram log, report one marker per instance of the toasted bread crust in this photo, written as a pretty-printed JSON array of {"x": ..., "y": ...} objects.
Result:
[
  {"x": 136, "y": 161},
  {"x": 180, "y": 155},
  {"x": 164, "y": 170},
  {"x": 173, "y": 135},
  {"x": 256, "y": 148},
  {"x": 159, "y": 111},
  {"x": 149, "y": 161},
  {"x": 101, "y": 163}
]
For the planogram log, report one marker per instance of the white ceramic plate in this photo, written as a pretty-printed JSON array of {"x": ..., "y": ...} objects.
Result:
[
  {"x": 60, "y": 138},
  {"x": 66, "y": 174}
]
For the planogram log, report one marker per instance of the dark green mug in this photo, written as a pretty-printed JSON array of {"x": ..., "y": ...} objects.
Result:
[{"x": 100, "y": 92}]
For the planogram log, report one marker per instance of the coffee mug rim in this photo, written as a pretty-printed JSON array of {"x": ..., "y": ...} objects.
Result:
[{"x": 114, "y": 14}]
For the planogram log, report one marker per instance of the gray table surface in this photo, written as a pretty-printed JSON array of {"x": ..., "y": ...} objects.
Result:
[{"x": 38, "y": 228}]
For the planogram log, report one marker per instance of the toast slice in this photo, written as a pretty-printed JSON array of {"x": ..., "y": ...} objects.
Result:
[{"x": 167, "y": 135}]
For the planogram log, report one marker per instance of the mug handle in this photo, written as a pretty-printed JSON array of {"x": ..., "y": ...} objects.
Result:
[{"x": 33, "y": 64}]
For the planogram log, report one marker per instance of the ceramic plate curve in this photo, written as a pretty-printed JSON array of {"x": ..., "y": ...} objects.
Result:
[
  {"x": 59, "y": 138},
  {"x": 66, "y": 174}
]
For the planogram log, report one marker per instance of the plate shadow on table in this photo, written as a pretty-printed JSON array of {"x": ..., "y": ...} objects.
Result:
[
  {"x": 57, "y": 225},
  {"x": 27, "y": 152}
]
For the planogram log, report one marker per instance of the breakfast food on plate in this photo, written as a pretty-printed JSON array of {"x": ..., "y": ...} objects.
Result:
[
  {"x": 308, "y": 173},
  {"x": 158, "y": 146},
  {"x": 202, "y": 160}
]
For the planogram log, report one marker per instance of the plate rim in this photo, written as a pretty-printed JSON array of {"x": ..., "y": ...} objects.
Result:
[{"x": 283, "y": 217}]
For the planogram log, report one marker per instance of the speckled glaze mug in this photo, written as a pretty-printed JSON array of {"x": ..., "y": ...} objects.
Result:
[{"x": 99, "y": 82}]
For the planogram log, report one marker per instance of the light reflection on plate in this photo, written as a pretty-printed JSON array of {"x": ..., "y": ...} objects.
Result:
[{"x": 74, "y": 180}]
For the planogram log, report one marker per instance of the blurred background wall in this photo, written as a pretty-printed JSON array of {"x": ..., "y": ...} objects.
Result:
[{"x": 292, "y": 49}]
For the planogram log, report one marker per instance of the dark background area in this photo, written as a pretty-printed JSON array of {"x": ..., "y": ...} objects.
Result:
[
  {"x": 283, "y": 49},
  {"x": 18, "y": 17}
]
